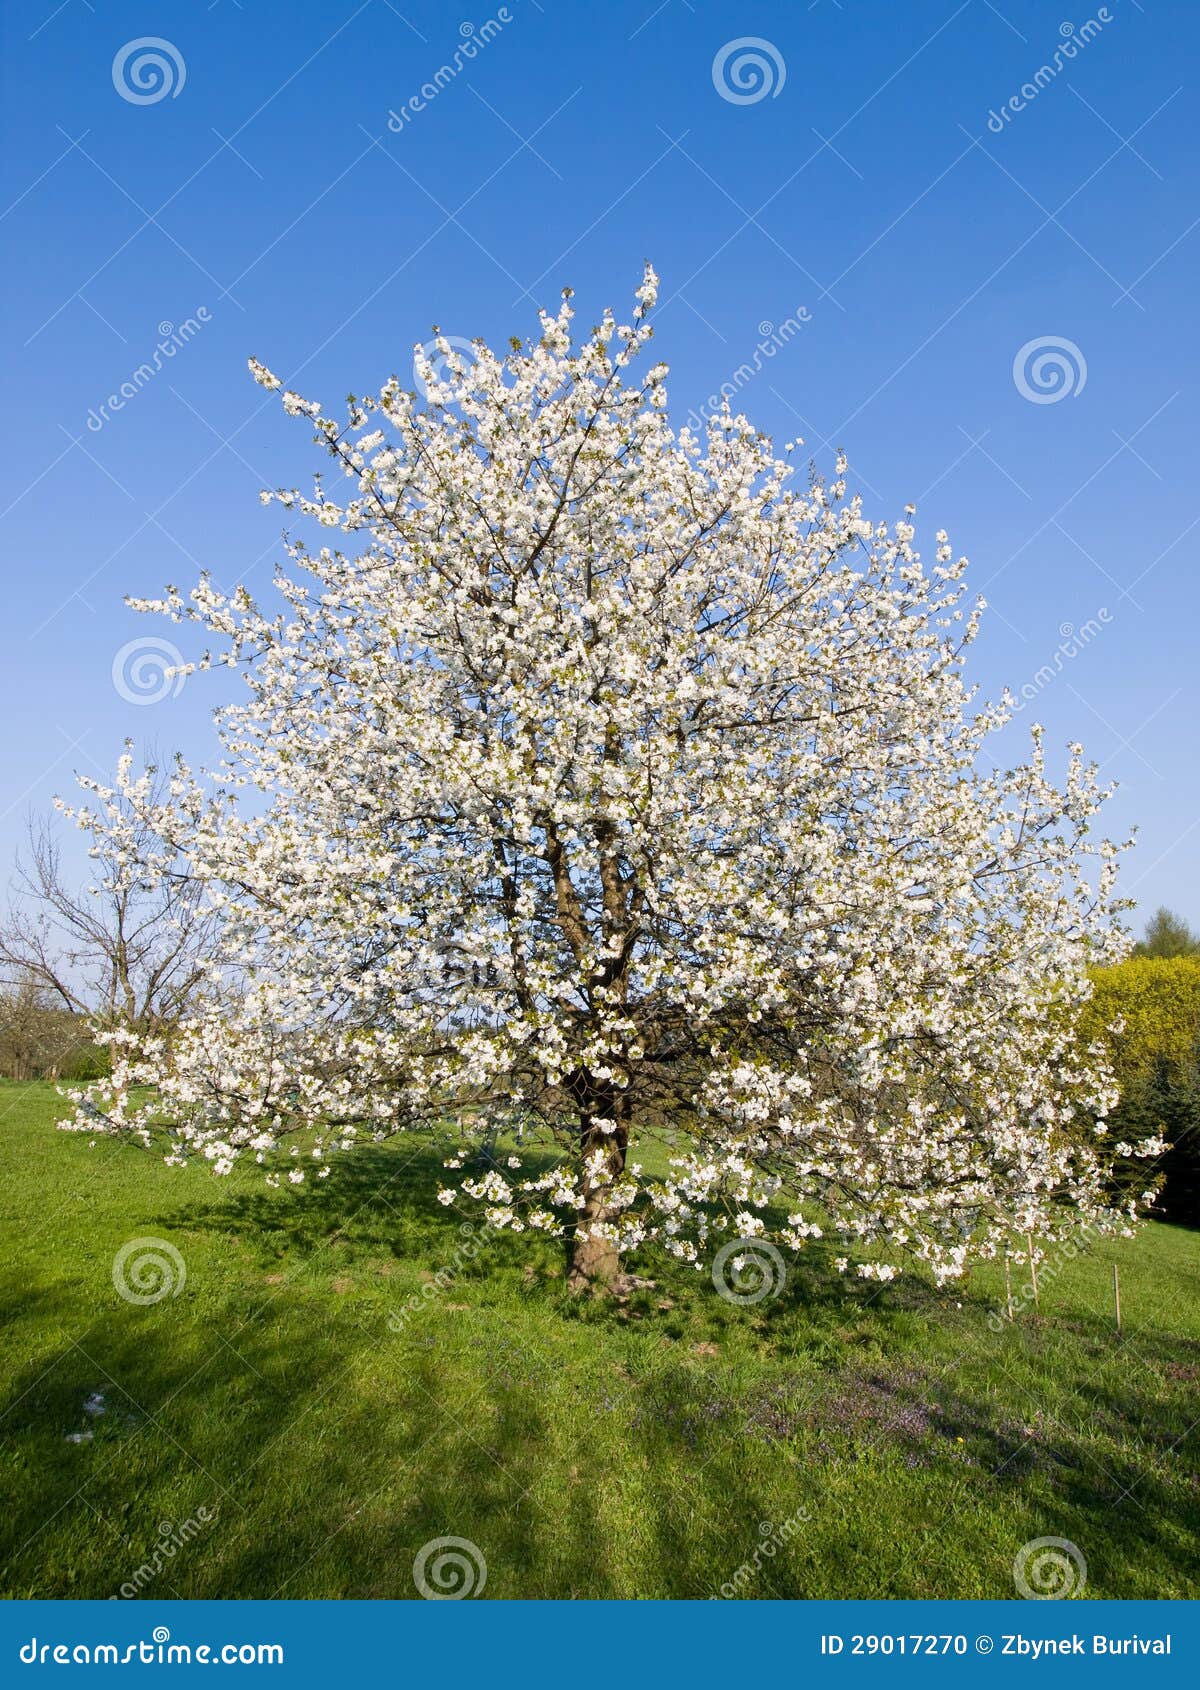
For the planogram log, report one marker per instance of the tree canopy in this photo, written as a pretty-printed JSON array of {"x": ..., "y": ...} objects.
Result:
[{"x": 1167, "y": 935}]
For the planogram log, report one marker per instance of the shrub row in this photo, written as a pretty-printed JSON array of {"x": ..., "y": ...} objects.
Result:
[{"x": 1156, "y": 1056}]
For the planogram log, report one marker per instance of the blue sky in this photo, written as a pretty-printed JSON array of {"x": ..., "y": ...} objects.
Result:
[{"x": 862, "y": 194}]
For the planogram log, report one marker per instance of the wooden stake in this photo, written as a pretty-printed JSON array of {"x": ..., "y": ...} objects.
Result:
[
  {"x": 1033, "y": 1275},
  {"x": 1117, "y": 1295},
  {"x": 1008, "y": 1287}
]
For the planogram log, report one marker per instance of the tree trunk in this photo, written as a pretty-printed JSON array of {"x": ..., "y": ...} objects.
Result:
[{"x": 595, "y": 1263}]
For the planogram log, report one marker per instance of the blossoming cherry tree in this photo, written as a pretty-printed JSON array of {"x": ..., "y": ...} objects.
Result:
[{"x": 611, "y": 796}]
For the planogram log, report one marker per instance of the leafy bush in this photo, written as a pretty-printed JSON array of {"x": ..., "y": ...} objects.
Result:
[{"x": 1157, "y": 1061}]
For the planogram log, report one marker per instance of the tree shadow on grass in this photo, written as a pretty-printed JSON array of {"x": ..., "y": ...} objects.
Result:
[
  {"x": 178, "y": 1410},
  {"x": 328, "y": 1456},
  {"x": 332, "y": 1455},
  {"x": 378, "y": 1201},
  {"x": 810, "y": 1313},
  {"x": 1112, "y": 1468},
  {"x": 587, "y": 1450}
]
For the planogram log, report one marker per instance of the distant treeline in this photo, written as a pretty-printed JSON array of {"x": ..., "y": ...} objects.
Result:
[{"x": 41, "y": 1041}]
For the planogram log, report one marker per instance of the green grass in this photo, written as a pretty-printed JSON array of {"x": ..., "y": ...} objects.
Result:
[{"x": 587, "y": 1451}]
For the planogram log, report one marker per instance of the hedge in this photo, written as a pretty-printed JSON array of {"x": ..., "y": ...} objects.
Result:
[{"x": 1157, "y": 1062}]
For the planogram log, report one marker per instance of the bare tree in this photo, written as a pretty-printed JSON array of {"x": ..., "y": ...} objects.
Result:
[
  {"x": 27, "y": 1023},
  {"x": 124, "y": 948}
]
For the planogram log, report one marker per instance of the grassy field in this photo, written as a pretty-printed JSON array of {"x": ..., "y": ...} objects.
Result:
[{"x": 866, "y": 1442}]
